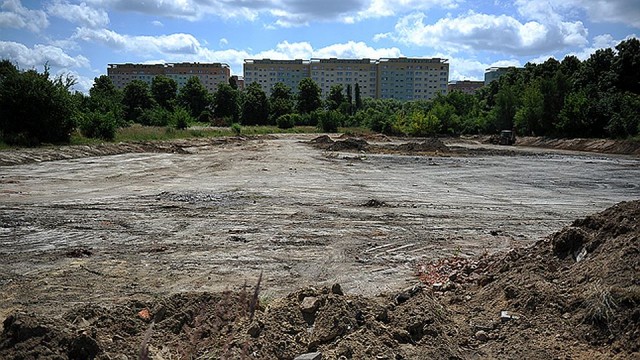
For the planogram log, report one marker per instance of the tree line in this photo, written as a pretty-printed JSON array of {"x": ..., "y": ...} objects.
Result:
[{"x": 598, "y": 97}]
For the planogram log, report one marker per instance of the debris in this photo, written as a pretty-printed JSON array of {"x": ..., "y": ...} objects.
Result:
[
  {"x": 336, "y": 289},
  {"x": 309, "y": 304},
  {"x": 144, "y": 314},
  {"x": 309, "y": 356},
  {"x": 481, "y": 335}
]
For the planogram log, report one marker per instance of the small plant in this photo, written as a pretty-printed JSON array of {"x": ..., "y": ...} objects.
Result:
[
  {"x": 180, "y": 118},
  {"x": 286, "y": 121},
  {"x": 600, "y": 305},
  {"x": 236, "y": 128}
]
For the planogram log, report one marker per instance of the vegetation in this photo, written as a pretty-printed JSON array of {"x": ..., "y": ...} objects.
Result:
[{"x": 598, "y": 97}]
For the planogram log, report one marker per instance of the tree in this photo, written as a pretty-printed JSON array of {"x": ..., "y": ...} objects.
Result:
[
  {"x": 357, "y": 96},
  {"x": 255, "y": 107},
  {"x": 194, "y": 97},
  {"x": 226, "y": 103},
  {"x": 280, "y": 101},
  {"x": 35, "y": 108},
  {"x": 164, "y": 91},
  {"x": 336, "y": 97},
  {"x": 308, "y": 96},
  {"x": 349, "y": 95},
  {"x": 627, "y": 65},
  {"x": 528, "y": 118},
  {"x": 136, "y": 99}
]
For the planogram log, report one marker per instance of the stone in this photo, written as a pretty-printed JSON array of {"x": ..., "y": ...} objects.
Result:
[
  {"x": 336, "y": 289},
  {"x": 481, "y": 335},
  {"x": 309, "y": 356},
  {"x": 254, "y": 329},
  {"x": 309, "y": 304}
]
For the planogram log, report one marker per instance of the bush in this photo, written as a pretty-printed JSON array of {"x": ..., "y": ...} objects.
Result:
[
  {"x": 236, "y": 128},
  {"x": 35, "y": 109},
  {"x": 180, "y": 118},
  {"x": 156, "y": 116},
  {"x": 286, "y": 121},
  {"x": 330, "y": 120},
  {"x": 98, "y": 126}
]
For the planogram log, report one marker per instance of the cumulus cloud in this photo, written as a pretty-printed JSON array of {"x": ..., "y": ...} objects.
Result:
[
  {"x": 79, "y": 14},
  {"x": 611, "y": 11},
  {"x": 279, "y": 13},
  {"x": 496, "y": 33},
  {"x": 14, "y": 15},
  {"x": 178, "y": 43},
  {"x": 39, "y": 55}
]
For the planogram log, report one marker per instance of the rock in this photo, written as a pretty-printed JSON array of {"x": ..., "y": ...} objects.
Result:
[
  {"x": 309, "y": 304},
  {"x": 510, "y": 292},
  {"x": 254, "y": 329},
  {"x": 507, "y": 315},
  {"x": 481, "y": 335},
  {"x": 336, "y": 289},
  {"x": 309, "y": 356}
]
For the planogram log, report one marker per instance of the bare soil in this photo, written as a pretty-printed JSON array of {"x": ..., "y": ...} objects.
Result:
[{"x": 96, "y": 249}]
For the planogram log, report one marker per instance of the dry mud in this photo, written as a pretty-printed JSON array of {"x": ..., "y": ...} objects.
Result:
[{"x": 140, "y": 226}]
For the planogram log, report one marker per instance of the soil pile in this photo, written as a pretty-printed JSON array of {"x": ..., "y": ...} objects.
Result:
[
  {"x": 574, "y": 294},
  {"x": 428, "y": 145},
  {"x": 350, "y": 143}
]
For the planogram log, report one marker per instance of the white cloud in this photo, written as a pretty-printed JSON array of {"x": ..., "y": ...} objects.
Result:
[
  {"x": 385, "y": 8},
  {"x": 14, "y": 15},
  {"x": 603, "y": 11},
  {"x": 496, "y": 33},
  {"x": 223, "y": 42},
  {"x": 157, "y": 23},
  {"x": 603, "y": 41},
  {"x": 39, "y": 55},
  {"x": 146, "y": 45},
  {"x": 79, "y": 14}
]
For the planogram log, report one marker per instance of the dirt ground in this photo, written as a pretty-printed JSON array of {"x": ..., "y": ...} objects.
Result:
[{"x": 102, "y": 233}]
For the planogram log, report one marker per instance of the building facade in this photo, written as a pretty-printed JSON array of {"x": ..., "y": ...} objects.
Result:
[
  {"x": 465, "y": 86},
  {"x": 412, "y": 78},
  {"x": 267, "y": 73},
  {"x": 210, "y": 74},
  {"x": 494, "y": 73},
  {"x": 329, "y": 72},
  {"x": 389, "y": 78}
]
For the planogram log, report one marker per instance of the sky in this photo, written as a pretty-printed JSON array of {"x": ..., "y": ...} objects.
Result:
[{"x": 79, "y": 38}]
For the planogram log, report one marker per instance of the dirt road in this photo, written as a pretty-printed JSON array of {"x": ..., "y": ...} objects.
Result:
[{"x": 108, "y": 228}]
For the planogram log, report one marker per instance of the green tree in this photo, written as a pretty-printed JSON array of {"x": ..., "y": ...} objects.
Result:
[
  {"x": 358, "y": 98},
  {"x": 255, "y": 108},
  {"x": 528, "y": 117},
  {"x": 280, "y": 101},
  {"x": 574, "y": 119},
  {"x": 336, "y": 97},
  {"x": 35, "y": 108},
  {"x": 226, "y": 103},
  {"x": 627, "y": 65},
  {"x": 104, "y": 98},
  {"x": 164, "y": 91},
  {"x": 308, "y": 96},
  {"x": 136, "y": 99},
  {"x": 194, "y": 97}
]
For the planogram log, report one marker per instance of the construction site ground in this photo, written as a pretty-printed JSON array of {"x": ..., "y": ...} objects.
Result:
[{"x": 121, "y": 228}]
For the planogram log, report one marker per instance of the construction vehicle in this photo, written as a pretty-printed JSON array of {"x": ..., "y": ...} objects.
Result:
[{"x": 507, "y": 137}]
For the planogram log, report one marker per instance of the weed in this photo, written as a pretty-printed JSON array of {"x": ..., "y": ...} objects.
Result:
[{"x": 600, "y": 306}]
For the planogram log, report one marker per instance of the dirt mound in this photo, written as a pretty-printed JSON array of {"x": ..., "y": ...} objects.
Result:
[
  {"x": 576, "y": 292},
  {"x": 349, "y": 143},
  {"x": 428, "y": 145},
  {"x": 608, "y": 146}
]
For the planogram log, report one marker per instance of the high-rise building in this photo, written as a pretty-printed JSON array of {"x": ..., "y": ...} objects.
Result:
[
  {"x": 329, "y": 72},
  {"x": 267, "y": 73},
  {"x": 210, "y": 74},
  {"x": 494, "y": 73},
  {"x": 397, "y": 78},
  {"x": 412, "y": 78}
]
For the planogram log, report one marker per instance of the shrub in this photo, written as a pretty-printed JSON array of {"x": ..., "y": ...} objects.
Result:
[
  {"x": 236, "y": 128},
  {"x": 330, "y": 120},
  {"x": 286, "y": 121},
  {"x": 98, "y": 126},
  {"x": 156, "y": 116},
  {"x": 180, "y": 118}
]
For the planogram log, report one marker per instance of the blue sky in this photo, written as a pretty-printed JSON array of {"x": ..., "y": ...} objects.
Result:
[{"x": 81, "y": 37}]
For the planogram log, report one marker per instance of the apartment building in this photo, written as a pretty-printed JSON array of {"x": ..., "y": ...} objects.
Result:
[
  {"x": 210, "y": 74},
  {"x": 465, "y": 86},
  {"x": 389, "y": 78},
  {"x": 267, "y": 73},
  {"x": 412, "y": 78},
  {"x": 329, "y": 72},
  {"x": 494, "y": 73}
]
